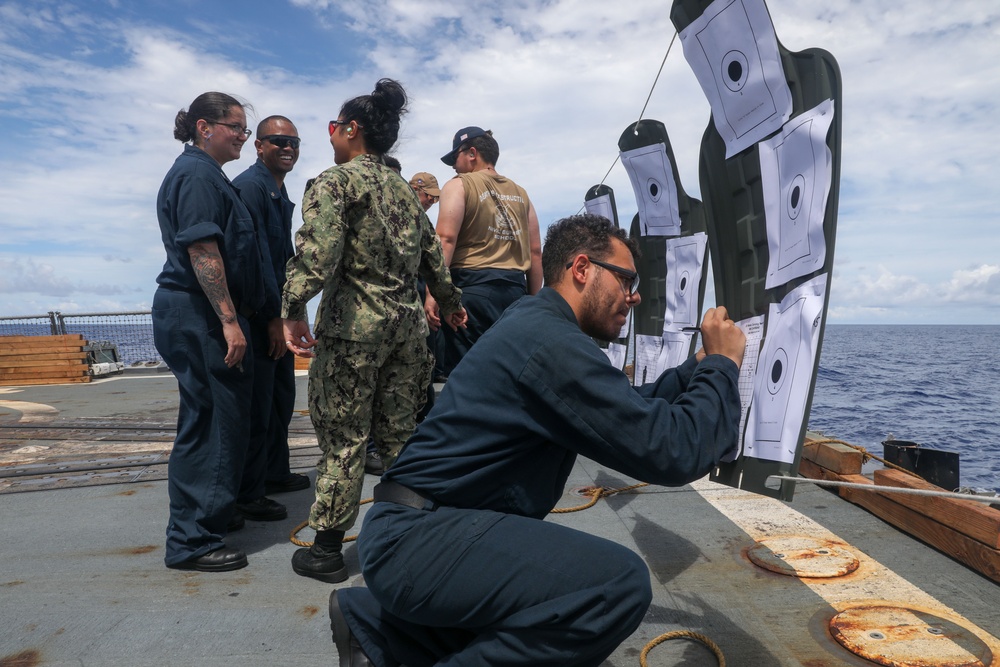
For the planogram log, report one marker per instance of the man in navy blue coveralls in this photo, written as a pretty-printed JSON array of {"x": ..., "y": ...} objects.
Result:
[
  {"x": 459, "y": 565},
  {"x": 262, "y": 189}
]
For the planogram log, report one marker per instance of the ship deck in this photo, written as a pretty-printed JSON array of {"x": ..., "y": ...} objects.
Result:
[{"x": 82, "y": 582}]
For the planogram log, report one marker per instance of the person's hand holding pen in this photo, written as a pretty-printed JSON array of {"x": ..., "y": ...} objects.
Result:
[{"x": 720, "y": 335}]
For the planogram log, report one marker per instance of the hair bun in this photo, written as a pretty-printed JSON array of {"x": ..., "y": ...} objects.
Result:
[
  {"x": 181, "y": 130},
  {"x": 389, "y": 95}
]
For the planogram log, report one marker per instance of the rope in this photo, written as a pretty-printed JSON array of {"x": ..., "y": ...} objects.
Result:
[
  {"x": 648, "y": 98},
  {"x": 595, "y": 493},
  {"x": 656, "y": 80},
  {"x": 293, "y": 536},
  {"x": 890, "y": 489},
  {"x": 866, "y": 456},
  {"x": 682, "y": 634}
]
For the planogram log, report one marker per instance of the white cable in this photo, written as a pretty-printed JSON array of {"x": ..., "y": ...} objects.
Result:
[{"x": 891, "y": 489}]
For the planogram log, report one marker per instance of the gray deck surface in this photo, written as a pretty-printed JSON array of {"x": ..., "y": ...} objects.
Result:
[{"x": 82, "y": 580}]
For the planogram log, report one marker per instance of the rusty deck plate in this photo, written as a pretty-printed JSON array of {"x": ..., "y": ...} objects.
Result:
[
  {"x": 800, "y": 556},
  {"x": 901, "y": 637}
]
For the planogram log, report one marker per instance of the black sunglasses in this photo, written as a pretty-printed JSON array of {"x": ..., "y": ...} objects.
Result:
[
  {"x": 631, "y": 276},
  {"x": 282, "y": 140}
]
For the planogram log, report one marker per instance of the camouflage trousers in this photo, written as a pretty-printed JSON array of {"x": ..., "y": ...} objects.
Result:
[{"x": 357, "y": 389}]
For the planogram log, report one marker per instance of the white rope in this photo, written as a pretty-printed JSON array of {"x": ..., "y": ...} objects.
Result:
[{"x": 891, "y": 489}]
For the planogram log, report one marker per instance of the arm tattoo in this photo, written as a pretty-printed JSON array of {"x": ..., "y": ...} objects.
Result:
[{"x": 211, "y": 273}]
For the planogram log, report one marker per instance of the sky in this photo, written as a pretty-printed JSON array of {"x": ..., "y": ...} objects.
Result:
[{"x": 89, "y": 90}]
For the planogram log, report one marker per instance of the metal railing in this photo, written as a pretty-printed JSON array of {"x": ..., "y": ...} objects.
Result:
[{"x": 131, "y": 332}]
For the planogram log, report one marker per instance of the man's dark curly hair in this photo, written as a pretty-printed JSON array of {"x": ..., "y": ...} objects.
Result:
[{"x": 587, "y": 234}]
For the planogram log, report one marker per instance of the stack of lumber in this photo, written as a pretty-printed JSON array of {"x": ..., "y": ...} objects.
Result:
[
  {"x": 966, "y": 530},
  {"x": 43, "y": 360}
]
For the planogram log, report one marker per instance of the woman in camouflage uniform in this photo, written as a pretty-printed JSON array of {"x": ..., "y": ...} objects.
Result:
[{"x": 364, "y": 240}]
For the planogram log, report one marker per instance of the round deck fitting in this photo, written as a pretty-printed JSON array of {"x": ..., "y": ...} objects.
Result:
[
  {"x": 803, "y": 557},
  {"x": 901, "y": 637}
]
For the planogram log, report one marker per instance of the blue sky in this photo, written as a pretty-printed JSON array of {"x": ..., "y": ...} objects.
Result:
[{"x": 89, "y": 90}]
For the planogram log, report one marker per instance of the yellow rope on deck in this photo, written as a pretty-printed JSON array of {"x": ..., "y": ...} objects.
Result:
[
  {"x": 595, "y": 493},
  {"x": 683, "y": 634},
  {"x": 293, "y": 536}
]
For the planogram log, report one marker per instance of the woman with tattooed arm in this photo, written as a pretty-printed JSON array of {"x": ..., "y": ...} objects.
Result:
[{"x": 210, "y": 285}]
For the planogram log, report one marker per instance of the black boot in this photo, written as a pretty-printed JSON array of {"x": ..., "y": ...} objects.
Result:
[
  {"x": 323, "y": 560},
  {"x": 348, "y": 649}
]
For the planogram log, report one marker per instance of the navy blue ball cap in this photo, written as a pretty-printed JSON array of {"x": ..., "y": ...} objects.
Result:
[{"x": 461, "y": 137}]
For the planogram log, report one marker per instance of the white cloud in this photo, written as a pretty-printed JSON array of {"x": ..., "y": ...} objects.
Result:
[{"x": 88, "y": 97}]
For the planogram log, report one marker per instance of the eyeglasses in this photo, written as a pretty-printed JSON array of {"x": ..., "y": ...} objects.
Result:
[
  {"x": 282, "y": 140},
  {"x": 238, "y": 129},
  {"x": 434, "y": 198},
  {"x": 629, "y": 285},
  {"x": 335, "y": 123}
]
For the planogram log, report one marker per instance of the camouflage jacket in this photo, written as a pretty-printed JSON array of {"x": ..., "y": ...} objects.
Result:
[{"x": 363, "y": 241}]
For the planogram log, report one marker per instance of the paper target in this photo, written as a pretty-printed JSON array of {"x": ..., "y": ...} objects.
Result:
[
  {"x": 733, "y": 52},
  {"x": 655, "y": 190},
  {"x": 685, "y": 263},
  {"x": 601, "y": 206},
  {"x": 795, "y": 179},
  {"x": 783, "y": 373}
]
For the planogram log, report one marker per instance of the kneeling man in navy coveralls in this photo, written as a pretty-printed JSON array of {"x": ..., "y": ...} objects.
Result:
[{"x": 460, "y": 566}]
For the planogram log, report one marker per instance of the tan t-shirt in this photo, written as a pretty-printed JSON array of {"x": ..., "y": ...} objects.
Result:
[{"x": 494, "y": 233}]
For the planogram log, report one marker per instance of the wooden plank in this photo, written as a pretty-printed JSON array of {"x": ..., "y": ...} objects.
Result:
[
  {"x": 33, "y": 360},
  {"x": 968, "y": 517},
  {"x": 962, "y": 548},
  {"x": 61, "y": 372},
  {"x": 834, "y": 456},
  {"x": 37, "y": 381},
  {"x": 813, "y": 471},
  {"x": 62, "y": 339},
  {"x": 64, "y": 359},
  {"x": 79, "y": 357},
  {"x": 22, "y": 351},
  {"x": 302, "y": 364}
]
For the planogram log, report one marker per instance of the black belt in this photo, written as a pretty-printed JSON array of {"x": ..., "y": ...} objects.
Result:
[{"x": 391, "y": 492}]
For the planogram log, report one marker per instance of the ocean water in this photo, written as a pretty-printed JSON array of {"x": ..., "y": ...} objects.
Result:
[{"x": 933, "y": 385}]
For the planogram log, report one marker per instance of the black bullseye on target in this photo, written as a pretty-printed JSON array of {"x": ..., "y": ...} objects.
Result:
[
  {"x": 682, "y": 282},
  {"x": 735, "y": 68},
  {"x": 776, "y": 374},
  {"x": 795, "y": 196},
  {"x": 654, "y": 190}
]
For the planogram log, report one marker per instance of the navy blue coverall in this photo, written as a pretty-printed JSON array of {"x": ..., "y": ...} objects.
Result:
[
  {"x": 482, "y": 579},
  {"x": 273, "y": 381},
  {"x": 197, "y": 202}
]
